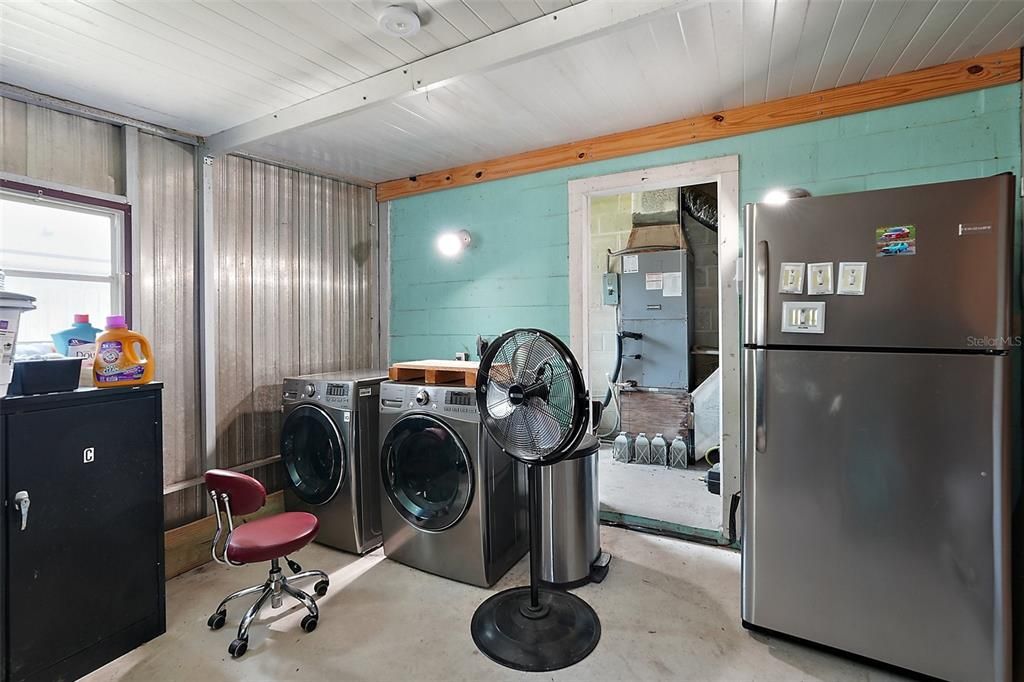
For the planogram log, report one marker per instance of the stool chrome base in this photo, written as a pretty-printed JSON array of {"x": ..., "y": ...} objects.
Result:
[{"x": 274, "y": 589}]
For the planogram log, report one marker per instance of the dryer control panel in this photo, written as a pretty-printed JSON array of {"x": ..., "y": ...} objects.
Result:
[{"x": 333, "y": 394}]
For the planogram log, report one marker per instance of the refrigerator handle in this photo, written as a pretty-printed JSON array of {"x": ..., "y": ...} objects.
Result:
[
  {"x": 760, "y": 293},
  {"x": 760, "y": 437}
]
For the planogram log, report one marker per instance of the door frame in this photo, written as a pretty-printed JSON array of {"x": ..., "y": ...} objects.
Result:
[{"x": 724, "y": 172}]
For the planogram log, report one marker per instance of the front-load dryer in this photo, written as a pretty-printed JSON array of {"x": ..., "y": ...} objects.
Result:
[
  {"x": 329, "y": 442},
  {"x": 452, "y": 502}
]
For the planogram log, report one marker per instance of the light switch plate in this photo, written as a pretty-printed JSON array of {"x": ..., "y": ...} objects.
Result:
[
  {"x": 852, "y": 278},
  {"x": 803, "y": 317},
  {"x": 819, "y": 279},
  {"x": 791, "y": 278}
]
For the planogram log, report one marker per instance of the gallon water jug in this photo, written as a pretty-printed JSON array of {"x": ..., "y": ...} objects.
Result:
[
  {"x": 659, "y": 450},
  {"x": 677, "y": 454},
  {"x": 643, "y": 449},
  {"x": 620, "y": 448},
  {"x": 118, "y": 359}
]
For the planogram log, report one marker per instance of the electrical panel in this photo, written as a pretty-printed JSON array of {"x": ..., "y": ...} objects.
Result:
[
  {"x": 610, "y": 286},
  {"x": 656, "y": 303}
]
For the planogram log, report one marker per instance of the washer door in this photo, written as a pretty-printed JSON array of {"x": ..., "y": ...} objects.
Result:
[
  {"x": 313, "y": 454},
  {"x": 427, "y": 472}
]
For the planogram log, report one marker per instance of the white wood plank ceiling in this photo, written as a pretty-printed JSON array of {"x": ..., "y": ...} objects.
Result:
[
  {"x": 703, "y": 59},
  {"x": 202, "y": 66},
  {"x": 210, "y": 65}
]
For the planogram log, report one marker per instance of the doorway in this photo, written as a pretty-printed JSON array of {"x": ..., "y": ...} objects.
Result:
[{"x": 655, "y": 320}]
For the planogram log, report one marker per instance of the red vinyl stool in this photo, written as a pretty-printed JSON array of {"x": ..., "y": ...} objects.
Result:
[{"x": 268, "y": 539}]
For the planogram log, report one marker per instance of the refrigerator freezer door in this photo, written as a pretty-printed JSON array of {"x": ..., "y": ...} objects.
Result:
[
  {"x": 871, "y": 483},
  {"x": 946, "y": 285}
]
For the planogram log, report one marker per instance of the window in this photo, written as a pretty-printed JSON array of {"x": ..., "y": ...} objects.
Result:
[{"x": 69, "y": 255}]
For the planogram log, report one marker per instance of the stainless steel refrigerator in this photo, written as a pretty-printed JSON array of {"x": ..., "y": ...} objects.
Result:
[{"x": 877, "y": 425}]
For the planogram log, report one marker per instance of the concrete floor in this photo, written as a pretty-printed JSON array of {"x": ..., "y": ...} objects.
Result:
[
  {"x": 673, "y": 495},
  {"x": 669, "y": 610}
]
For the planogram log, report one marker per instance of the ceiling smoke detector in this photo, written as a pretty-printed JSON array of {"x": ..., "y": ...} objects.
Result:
[{"x": 400, "y": 22}]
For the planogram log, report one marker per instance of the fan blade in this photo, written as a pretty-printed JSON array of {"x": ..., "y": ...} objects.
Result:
[
  {"x": 501, "y": 374},
  {"x": 498, "y": 404},
  {"x": 522, "y": 372},
  {"x": 542, "y": 425}
]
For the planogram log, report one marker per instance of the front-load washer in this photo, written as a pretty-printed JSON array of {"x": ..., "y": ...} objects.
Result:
[
  {"x": 329, "y": 442},
  {"x": 452, "y": 502}
]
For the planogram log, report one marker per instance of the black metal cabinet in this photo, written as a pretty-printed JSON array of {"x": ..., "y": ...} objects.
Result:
[{"x": 83, "y": 581}]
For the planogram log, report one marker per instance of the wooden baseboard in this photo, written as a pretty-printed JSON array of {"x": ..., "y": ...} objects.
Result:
[{"x": 188, "y": 546}]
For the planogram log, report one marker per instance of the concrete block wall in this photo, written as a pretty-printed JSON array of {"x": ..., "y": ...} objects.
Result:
[
  {"x": 611, "y": 219},
  {"x": 516, "y": 271}
]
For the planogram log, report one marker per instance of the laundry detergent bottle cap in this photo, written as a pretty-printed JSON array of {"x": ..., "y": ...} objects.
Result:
[
  {"x": 81, "y": 319},
  {"x": 123, "y": 357}
]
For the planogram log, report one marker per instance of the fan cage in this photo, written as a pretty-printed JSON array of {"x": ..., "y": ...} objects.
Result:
[{"x": 532, "y": 398}]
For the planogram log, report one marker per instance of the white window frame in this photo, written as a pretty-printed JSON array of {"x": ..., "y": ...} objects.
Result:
[{"x": 117, "y": 279}]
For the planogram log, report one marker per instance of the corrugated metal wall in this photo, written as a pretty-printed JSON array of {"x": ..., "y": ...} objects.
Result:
[
  {"x": 164, "y": 307},
  {"x": 297, "y": 279},
  {"x": 58, "y": 147}
]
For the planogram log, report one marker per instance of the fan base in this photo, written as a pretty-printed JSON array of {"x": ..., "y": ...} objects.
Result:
[{"x": 561, "y": 633}]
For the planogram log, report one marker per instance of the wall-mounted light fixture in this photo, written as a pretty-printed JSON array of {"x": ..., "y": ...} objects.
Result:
[
  {"x": 451, "y": 244},
  {"x": 781, "y": 196}
]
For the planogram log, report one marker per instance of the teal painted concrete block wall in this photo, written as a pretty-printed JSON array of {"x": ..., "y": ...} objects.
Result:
[{"x": 516, "y": 271}]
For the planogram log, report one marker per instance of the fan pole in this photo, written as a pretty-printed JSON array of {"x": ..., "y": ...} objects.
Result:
[{"x": 533, "y": 483}]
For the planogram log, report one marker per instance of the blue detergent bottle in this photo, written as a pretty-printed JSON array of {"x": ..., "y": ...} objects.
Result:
[{"x": 77, "y": 342}]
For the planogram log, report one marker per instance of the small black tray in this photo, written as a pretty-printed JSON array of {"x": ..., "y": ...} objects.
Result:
[{"x": 45, "y": 376}]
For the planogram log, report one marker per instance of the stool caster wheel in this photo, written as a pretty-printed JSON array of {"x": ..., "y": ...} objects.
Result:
[
  {"x": 321, "y": 588},
  {"x": 216, "y": 621},
  {"x": 238, "y": 648},
  {"x": 309, "y": 623}
]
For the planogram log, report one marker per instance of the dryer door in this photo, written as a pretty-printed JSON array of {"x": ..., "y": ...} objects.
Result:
[
  {"x": 427, "y": 472},
  {"x": 313, "y": 454}
]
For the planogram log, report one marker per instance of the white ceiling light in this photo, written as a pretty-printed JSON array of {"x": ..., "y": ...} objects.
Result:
[
  {"x": 451, "y": 244},
  {"x": 400, "y": 22}
]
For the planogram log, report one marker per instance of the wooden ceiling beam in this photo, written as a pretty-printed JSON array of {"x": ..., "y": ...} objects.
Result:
[
  {"x": 937, "y": 81},
  {"x": 538, "y": 36}
]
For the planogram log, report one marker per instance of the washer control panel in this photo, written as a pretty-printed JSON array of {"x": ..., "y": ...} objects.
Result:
[{"x": 453, "y": 401}]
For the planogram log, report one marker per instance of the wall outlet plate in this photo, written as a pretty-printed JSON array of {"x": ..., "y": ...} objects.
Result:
[{"x": 803, "y": 317}]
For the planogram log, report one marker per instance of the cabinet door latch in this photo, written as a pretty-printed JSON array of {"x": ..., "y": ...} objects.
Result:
[{"x": 21, "y": 503}]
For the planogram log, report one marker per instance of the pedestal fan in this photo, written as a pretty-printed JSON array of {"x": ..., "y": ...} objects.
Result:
[{"x": 534, "y": 405}]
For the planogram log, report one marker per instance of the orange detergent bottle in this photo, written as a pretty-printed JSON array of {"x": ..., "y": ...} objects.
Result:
[{"x": 117, "y": 359}]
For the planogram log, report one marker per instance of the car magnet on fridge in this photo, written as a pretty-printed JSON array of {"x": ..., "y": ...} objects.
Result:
[
  {"x": 852, "y": 278},
  {"x": 791, "y": 278},
  {"x": 819, "y": 279},
  {"x": 897, "y": 240}
]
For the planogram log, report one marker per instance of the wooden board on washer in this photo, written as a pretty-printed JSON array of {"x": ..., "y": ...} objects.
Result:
[{"x": 450, "y": 372}]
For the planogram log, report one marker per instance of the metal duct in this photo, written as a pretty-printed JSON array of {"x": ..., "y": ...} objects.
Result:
[{"x": 700, "y": 206}]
